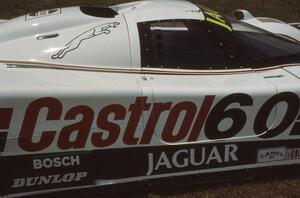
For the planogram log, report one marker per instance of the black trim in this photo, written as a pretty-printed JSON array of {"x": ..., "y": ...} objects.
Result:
[
  {"x": 124, "y": 163},
  {"x": 168, "y": 185},
  {"x": 3, "y": 137},
  {"x": 99, "y": 12}
]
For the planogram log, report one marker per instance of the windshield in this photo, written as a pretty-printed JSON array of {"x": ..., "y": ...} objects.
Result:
[
  {"x": 212, "y": 44},
  {"x": 249, "y": 46}
]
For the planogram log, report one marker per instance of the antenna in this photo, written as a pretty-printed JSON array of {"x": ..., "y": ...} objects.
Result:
[{"x": 116, "y": 3}]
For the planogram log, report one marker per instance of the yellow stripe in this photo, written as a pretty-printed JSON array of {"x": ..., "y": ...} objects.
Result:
[
  {"x": 208, "y": 9},
  {"x": 219, "y": 23},
  {"x": 217, "y": 16}
]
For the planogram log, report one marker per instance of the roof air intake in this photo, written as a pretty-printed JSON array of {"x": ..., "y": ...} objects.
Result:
[{"x": 99, "y": 12}]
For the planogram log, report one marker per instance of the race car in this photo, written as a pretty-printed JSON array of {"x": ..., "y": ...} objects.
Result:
[
  {"x": 142, "y": 92},
  {"x": 291, "y": 31}
]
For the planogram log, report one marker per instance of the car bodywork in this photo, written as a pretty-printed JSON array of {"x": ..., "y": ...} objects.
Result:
[
  {"x": 296, "y": 25},
  {"x": 291, "y": 31},
  {"x": 95, "y": 97}
]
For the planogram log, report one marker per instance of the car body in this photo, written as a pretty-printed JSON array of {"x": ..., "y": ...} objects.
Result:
[
  {"x": 291, "y": 31},
  {"x": 95, "y": 97},
  {"x": 296, "y": 25}
]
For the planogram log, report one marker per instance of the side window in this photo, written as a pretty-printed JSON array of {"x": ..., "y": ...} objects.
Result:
[{"x": 184, "y": 44}]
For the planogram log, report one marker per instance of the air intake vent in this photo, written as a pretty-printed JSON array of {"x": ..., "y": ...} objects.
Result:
[
  {"x": 99, "y": 12},
  {"x": 296, "y": 25},
  {"x": 268, "y": 20}
]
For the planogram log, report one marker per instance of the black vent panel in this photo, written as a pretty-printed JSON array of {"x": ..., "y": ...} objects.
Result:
[{"x": 99, "y": 12}]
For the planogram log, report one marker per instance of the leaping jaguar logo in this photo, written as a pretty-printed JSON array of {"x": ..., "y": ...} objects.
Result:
[{"x": 76, "y": 42}]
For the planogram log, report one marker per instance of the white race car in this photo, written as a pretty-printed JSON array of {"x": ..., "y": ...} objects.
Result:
[{"x": 140, "y": 92}]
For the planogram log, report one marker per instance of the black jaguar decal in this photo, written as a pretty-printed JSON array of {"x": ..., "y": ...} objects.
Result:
[{"x": 76, "y": 42}]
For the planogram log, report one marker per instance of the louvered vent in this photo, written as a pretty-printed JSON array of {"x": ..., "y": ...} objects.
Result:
[{"x": 268, "y": 20}]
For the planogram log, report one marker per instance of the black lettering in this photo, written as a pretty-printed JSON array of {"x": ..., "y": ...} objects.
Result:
[
  {"x": 260, "y": 123},
  {"x": 220, "y": 113}
]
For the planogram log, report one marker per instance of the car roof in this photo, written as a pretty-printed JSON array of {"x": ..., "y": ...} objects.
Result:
[{"x": 160, "y": 9}]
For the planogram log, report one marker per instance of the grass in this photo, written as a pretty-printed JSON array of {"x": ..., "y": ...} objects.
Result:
[
  {"x": 289, "y": 188},
  {"x": 287, "y": 10},
  {"x": 259, "y": 188}
]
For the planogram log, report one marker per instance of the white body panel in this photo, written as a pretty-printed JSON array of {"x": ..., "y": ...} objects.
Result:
[
  {"x": 98, "y": 90},
  {"x": 270, "y": 24},
  {"x": 70, "y": 40},
  {"x": 278, "y": 28},
  {"x": 2, "y": 21}
]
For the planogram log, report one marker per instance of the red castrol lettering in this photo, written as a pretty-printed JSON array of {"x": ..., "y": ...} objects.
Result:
[{"x": 194, "y": 119}]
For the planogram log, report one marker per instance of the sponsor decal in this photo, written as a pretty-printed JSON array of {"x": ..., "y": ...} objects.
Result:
[
  {"x": 168, "y": 161},
  {"x": 271, "y": 154},
  {"x": 278, "y": 154},
  {"x": 54, "y": 171},
  {"x": 56, "y": 162},
  {"x": 189, "y": 158},
  {"x": 206, "y": 118},
  {"x": 49, "y": 171},
  {"x": 215, "y": 18},
  {"x": 91, "y": 33},
  {"x": 293, "y": 153},
  {"x": 49, "y": 179}
]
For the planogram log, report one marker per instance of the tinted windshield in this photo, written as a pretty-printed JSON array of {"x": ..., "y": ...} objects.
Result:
[{"x": 249, "y": 46}]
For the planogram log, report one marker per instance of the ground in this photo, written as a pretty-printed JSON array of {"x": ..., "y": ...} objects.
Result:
[{"x": 287, "y": 10}]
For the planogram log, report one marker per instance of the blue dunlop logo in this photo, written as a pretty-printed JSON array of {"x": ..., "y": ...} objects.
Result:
[{"x": 91, "y": 33}]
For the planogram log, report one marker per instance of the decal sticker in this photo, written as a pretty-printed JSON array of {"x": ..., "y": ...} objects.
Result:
[
  {"x": 214, "y": 17},
  {"x": 278, "y": 154},
  {"x": 50, "y": 171},
  {"x": 91, "y": 33},
  {"x": 77, "y": 169},
  {"x": 198, "y": 158},
  {"x": 56, "y": 162},
  {"x": 49, "y": 179},
  {"x": 293, "y": 104},
  {"x": 293, "y": 153},
  {"x": 194, "y": 11},
  {"x": 43, "y": 13},
  {"x": 221, "y": 112},
  {"x": 271, "y": 155},
  {"x": 193, "y": 120},
  {"x": 5, "y": 120},
  {"x": 169, "y": 161}
]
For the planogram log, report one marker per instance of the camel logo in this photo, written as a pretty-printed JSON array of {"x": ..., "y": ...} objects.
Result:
[{"x": 91, "y": 33}]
